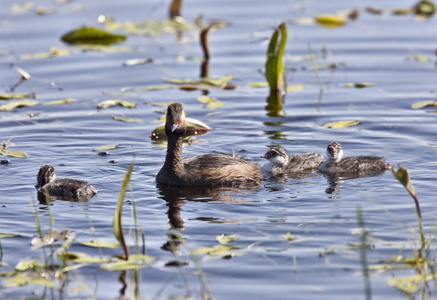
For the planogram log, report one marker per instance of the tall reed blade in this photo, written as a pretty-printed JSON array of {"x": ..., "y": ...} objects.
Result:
[
  {"x": 116, "y": 224},
  {"x": 274, "y": 66},
  {"x": 175, "y": 8}
]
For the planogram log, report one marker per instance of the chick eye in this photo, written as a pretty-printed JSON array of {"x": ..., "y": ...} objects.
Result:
[{"x": 180, "y": 121}]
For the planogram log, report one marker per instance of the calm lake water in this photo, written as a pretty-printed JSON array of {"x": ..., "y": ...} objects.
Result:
[{"x": 373, "y": 48}]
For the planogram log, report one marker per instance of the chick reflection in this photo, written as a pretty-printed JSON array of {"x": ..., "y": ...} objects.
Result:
[{"x": 336, "y": 181}]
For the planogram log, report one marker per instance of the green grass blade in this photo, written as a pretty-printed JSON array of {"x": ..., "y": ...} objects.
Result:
[{"x": 116, "y": 224}]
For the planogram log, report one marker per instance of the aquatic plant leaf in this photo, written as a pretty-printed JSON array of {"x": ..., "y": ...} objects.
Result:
[
  {"x": 28, "y": 265},
  {"x": 22, "y": 7},
  {"x": 12, "y": 153},
  {"x": 194, "y": 127},
  {"x": 63, "y": 101},
  {"x": 100, "y": 244},
  {"x": 289, "y": 236},
  {"x": 17, "y": 104},
  {"x": 294, "y": 88},
  {"x": 109, "y": 103},
  {"x": 330, "y": 21},
  {"x": 157, "y": 87},
  {"x": 108, "y": 147},
  {"x": 17, "y": 96},
  {"x": 137, "y": 61},
  {"x": 116, "y": 223},
  {"x": 424, "y": 9},
  {"x": 20, "y": 279},
  {"x": 357, "y": 85},
  {"x": 274, "y": 66},
  {"x": 419, "y": 57},
  {"x": 217, "y": 250},
  {"x": 45, "y": 10},
  {"x": 341, "y": 124},
  {"x": 131, "y": 120},
  {"x": 80, "y": 257},
  {"x": 403, "y": 176},
  {"x": 410, "y": 284},
  {"x": 54, "y": 51},
  {"x": 401, "y": 11},
  {"x": 224, "y": 239},
  {"x": 422, "y": 104},
  {"x": 259, "y": 84},
  {"x": 210, "y": 102},
  {"x": 93, "y": 36},
  {"x": 6, "y": 235},
  {"x": 130, "y": 264}
]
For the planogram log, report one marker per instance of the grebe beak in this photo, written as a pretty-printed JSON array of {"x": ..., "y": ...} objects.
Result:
[{"x": 173, "y": 127}]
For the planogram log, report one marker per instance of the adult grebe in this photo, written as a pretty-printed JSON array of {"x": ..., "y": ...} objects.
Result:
[{"x": 208, "y": 169}]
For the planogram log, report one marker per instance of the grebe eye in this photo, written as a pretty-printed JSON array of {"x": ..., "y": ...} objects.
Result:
[{"x": 180, "y": 121}]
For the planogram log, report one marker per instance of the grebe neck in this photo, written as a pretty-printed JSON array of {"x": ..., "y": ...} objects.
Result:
[{"x": 173, "y": 159}]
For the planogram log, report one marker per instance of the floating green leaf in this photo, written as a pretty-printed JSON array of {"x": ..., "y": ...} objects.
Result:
[
  {"x": 20, "y": 279},
  {"x": 54, "y": 51},
  {"x": 108, "y": 147},
  {"x": 23, "y": 7},
  {"x": 109, "y": 103},
  {"x": 17, "y": 96},
  {"x": 210, "y": 102},
  {"x": 194, "y": 127},
  {"x": 424, "y": 9},
  {"x": 410, "y": 284},
  {"x": 289, "y": 236},
  {"x": 80, "y": 257},
  {"x": 341, "y": 124},
  {"x": 28, "y": 265},
  {"x": 131, "y": 120},
  {"x": 419, "y": 57},
  {"x": 358, "y": 84},
  {"x": 422, "y": 104},
  {"x": 259, "y": 84},
  {"x": 93, "y": 36},
  {"x": 294, "y": 88},
  {"x": 63, "y": 101},
  {"x": 17, "y": 104},
  {"x": 100, "y": 244},
  {"x": 134, "y": 262},
  {"x": 331, "y": 21},
  {"x": 224, "y": 239},
  {"x": 12, "y": 153},
  {"x": 217, "y": 250},
  {"x": 157, "y": 87},
  {"x": 6, "y": 235}
]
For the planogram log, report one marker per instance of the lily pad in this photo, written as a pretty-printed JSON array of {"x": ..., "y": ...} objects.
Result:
[
  {"x": 289, "y": 236},
  {"x": 131, "y": 120},
  {"x": 17, "y": 104},
  {"x": 194, "y": 127},
  {"x": 108, "y": 147},
  {"x": 210, "y": 102},
  {"x": 341, "y": 124},
  {"x": 17, "y": 96},
  {"x": 93, "y": 36},
  {"x": 109, "y": 103},
  {"x": 331, "y": 21},
  {"x": 54, "y": 51},
  {"x": 134, "y": 262},
  {"x": 422, "y": 104},
  {"x": 100, "y": 244},
  {"x": 63, "y": 101},
  {"x": 224, "y": 239}
]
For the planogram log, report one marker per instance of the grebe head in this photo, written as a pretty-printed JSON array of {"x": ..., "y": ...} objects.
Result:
[
  {"x": 175, "y": 119},
  {"x": 45, "y": 175},
  {"x": 277, "y": 156},
  {"x": 334, "y": 152}
]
